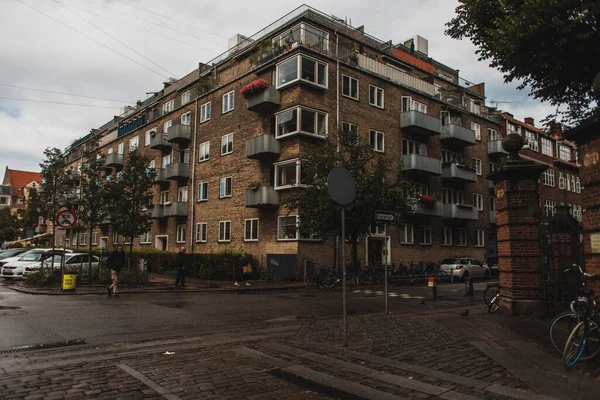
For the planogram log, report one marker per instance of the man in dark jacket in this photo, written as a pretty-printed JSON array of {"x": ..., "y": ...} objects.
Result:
[
  {"x": 180, "y": 266},
  {"x": 115, "y": 262}
]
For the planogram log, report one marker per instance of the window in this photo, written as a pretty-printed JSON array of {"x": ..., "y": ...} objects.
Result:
[
  {"x": 205, "y": 112},
  {"x": 228, "y": 102},
  {"x": 181, "y": 228},
  {"x": 288, "y": 174},
  {"x": 564, "y": 153},
  {"x": 350, "y": 87},
  {"x": 146, "y": 238},
  {"x": 375, "y": 96},
  {"x": 182, "y": 194},
  {"x": 477, "y": 165},
  {"x": 462, "y": 237},
  {"x": 186, "y": 97},
  {"x": 413, "y": 147},
  {"x": 167, "y": 125},
  {"x": 406, "y": 234},
  {"x": 133, "y": 143},
  {"x": 148, "y": 136},
  {"x": 184, "y": 156},
  {"x": 474, "y": 107},
  {"x": 421, "y": 188},
  {"x": 549, "y": 177},
  {"x": 306, "y": 34},
  {"x": 549, "y": 208},
  {"x": 376, "y": 140},
  {"x": 287, "y": 228},
  {"x": 577, "y": 185},
  {"x": 561, "y": 180},
  {"x": 204, "y": 152},
  {"x": 478, "y": 201},
  {"x": 168, "y": 106},
  {"x": 94, "y": 238},
  {"x": 453, "y": 196},
  {"x": 83, "y": 239},
  {"x": 186, "y": 119},
  {"x": 377, "y": 230},
  {"x": 201, "y": 232},
  {"x": 446, "y": 236},
  {"x": 479, "y": 238},
  {"x": 302, "y": 68},
  {"x": 493, "y": 167},
  {"x": 203, "y": 191},
  {"x": 408, "y": 104},
  {"x": 251, "y": 230},
  {"x": 166, "y": 160},
  {"x": 492, "y": 203},
  {"x": 301, "y": 120},
  {"x": 477, "y": 128},
  {"x": 493, "y": 135},
  {"x": 121, "y": 148},
  {"x": 164, "y": 197},
  {"x": 573, "y": 184},
  {"x": 425, "y": 235},
  {"x": 512, "y": 129},
  {"x": 225, "y": 187},
  {"x": 352, "y": 131},
  {"x": 449, "y": 156},
  {"x": 115, "y": 237},
  {"x": 547, "y": 147},
  {"x": 531, "y": 140},
  {"x": 227, "y": 144},
  {"x": 127, "y": 240},
  {"x": 224, "y": 231}
]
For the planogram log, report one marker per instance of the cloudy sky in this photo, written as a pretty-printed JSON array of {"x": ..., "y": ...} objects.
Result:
[{"x": 114, "y": 51}]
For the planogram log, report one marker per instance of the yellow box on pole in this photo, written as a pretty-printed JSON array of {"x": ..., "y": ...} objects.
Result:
[{"x": 68, "y": 282}]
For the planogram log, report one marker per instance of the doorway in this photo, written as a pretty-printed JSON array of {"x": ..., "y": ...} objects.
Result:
[
  {"x": 378, "y": 250},
  {"x": 161, "y": 242},
  {"x": 104, "y": 242}
]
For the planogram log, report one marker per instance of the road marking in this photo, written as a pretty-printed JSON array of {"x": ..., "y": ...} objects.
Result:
[{"x": 149, "y": 382}]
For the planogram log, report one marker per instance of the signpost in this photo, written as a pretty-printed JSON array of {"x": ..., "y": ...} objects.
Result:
[
  {"x": 385, "y": 217},
  {"x": 65, "y": 219},
  {"x": 342, "y": 190}
]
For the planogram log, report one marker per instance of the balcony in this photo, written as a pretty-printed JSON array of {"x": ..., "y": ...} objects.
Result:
[
  {"x": 458, "y": 173},
  {"x": 430, "y": 210},
  {"x": 495, "y": 147},
  {"x": 419, "y": 163},
  {"x": 160, "y": 176},
  {"x": 457, "y": 135},
  {"x": 263, "y": 196},
  {"x": 177, "y": 171},
  {"x": 41, "y": 229},
  {"x": 114, "y": 160},
  {"x": 493, "y": 217},
  {"x": 421, "y": 124},
  {"x": 459, "y": 211},
  {"x": 262, "y": 147},
  {"x": 158, "y": 211},
  {"x": 177, "y": 209},
  {"x": 73, "y": 177},
  {"x": 158, "y": 141},
  {"x": 265, "y": 101},
  {"x": 180, "y": 134}
]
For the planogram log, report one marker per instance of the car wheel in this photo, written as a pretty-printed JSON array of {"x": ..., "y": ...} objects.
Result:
[{"x": 486, "y": 276}]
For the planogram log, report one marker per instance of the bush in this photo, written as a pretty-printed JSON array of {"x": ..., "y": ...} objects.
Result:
[{"x": 43, "y": 277}]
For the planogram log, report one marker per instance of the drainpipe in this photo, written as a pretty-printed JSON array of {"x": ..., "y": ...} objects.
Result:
[
  {"x": 337, "y": 129},
  {"x": 191, "y": 189}
]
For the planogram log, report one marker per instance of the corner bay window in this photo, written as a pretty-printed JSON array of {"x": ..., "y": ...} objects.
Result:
[
  {"x": 302, "y": 68},
  {"x": 301, "y": 120},
  {"x": 288, "y": 174}
]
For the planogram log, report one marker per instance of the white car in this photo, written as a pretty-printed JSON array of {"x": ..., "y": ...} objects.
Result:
[
  {"x": 15, "y": 268},
  {"x": 72, "y": 261},
  {"x": 465, "y": 267}
]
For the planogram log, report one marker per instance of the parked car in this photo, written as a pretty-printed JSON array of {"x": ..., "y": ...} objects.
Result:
[
  {"x": 12, "y": 252},
  {"x": 14, "y": 268},
  {"x": 72, "y": 261},
  {"x": 465, "y": 267}
]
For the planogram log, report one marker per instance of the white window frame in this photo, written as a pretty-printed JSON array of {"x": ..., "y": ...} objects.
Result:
[
  {"x": 376, "y": 89},
  {"x": 228, "y": 101},
  {"x": 298, "y": 58},
  {"x": 478, "y": 166},
  {"x": 425, "y": 236},
  {"x": 478, "y": 201},
  {"x": 408, "y": 104},
  {"x": 201, "y": 232},
  {"x": 146, "y": 237},
  {"x": 164, "y": 197},
  {"x": 202, "y": 192},
  {"x": 168, "y": 106},
  {"x": 493, "y": 135},
  {"x": 375, "y": 134},
  {"x": 94, "y": 238},
  {"x": 477, "y": 129},
  {"x": 223, "y": 237},
  {"x": 182, "y": 194},
  {"x": 83, "y": 239},
  {"x": 549, "y": 208},
  {"x": 186, "y": 97},
  {"x": 407, "y": 234},
  {"x": 449, "y": 156},
  {"x": 121, "y": 148},
  {"x": 351, "y": 82},
  {"x": 204, "y": 152},
  {"x": 350, "y": 128},
  {"x": 531, "y": 141},
  {"x": 134, "y": 143},
  {"x": 223, "y": 187},
  {"x": 462, "y": 237},
  {"x": 288, "y": 239},
  {"x": 227, "y": 144},
  {"x": 479, "y": 236},
  {"x": 205, "y": 112},
  {"x": 446, "y": 239},
  {"x": 475, "y": 107},
  {"x": 413, "y": 147},
  {"x": 547, "y": 147},
  {"x": 286, "y": 164},
  {"x": 148, "y": 136},
  {"x": 561, "y": 180},
  {"x": 186, "y": 117},
  {"x": 299, "y": 110},
  {"x": 577, "y": 185},
  {"x": 564, "y": 153},
  {"x": 548, "y": 177},
  {"x": 253, "y": 223},
  {"x": 167, "y": 125},
  {"x": 181, "y": 233}
]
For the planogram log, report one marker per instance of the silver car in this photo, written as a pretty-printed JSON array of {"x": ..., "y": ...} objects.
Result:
[{"x": 465, "y": 267}]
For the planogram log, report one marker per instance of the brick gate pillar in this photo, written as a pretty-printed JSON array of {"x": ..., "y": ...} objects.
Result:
[{"x": 518, "y": 231}]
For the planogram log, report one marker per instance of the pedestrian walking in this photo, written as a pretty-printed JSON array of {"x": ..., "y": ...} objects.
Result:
[
  {"x": 180, "y": 267},
  {"x": 115, "y": 262}
]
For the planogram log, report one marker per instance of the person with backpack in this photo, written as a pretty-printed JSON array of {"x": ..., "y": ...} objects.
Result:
[{"x": 115, "y": 262}]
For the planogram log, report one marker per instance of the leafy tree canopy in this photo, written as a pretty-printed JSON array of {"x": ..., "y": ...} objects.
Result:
[
  {"x": 551, "y": 46},
  {"x": 9, "y": 225}
]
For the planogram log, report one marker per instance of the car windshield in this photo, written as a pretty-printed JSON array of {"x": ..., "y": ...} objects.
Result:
[
  {"x": 450, "y": 261},
  {"x": 34, "y": 256},
  {"x": 54, "y": 260}
]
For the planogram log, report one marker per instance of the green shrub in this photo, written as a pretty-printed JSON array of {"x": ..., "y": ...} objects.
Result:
[{"x": 43, "y": 277}]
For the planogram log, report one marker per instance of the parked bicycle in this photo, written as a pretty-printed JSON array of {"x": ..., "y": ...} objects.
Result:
[
  {"x": 310, "y": 280},
  {"x": 491, "y": 291}
]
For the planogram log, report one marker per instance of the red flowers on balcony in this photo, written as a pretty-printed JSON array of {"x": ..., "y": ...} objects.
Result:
[
  {"x": 424, "y": 199},
  {"x": 255, "y": 87}
]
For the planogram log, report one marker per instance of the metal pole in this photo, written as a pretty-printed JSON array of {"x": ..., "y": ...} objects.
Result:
[
  {"x": 345, "y": 317},
  {"x": 386, "y": 273}
]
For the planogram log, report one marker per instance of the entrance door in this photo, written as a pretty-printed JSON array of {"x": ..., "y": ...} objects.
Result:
[
  {"x": 375, "y": 251},
  {"x": 161, "y": 242},
  {"x": 104, "y": 242}
]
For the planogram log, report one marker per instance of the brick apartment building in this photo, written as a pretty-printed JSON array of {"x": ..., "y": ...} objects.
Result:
[{"x": 223, "y": 161}]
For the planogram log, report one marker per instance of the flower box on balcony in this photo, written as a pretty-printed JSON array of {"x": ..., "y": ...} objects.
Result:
[
  {"x": 255, "y": 87},
  {"x": 426, "y": 200},
  {"x": 464, "y": 205}
]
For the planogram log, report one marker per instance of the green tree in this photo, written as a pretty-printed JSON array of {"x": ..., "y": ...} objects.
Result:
[
  {"x": 129, "y": 196},
  {"x": 9, "y": 225},
  {"x": 550, "y": 46},
  {"x": 33, "y": 210},
  {"x": 379, "y": 186}
]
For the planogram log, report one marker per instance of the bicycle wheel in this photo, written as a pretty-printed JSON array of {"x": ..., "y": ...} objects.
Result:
[
  {"x": 494, "y": 304},
  {"x": 575, "y": 345},
  {"x": 490, "y": 292},
  {"x": 561, "y": 328},
  {"x": 310, "y": 282}
]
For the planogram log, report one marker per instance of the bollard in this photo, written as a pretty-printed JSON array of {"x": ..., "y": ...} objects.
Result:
[
  {"x": 432, "y": 287},
  {"x": 469, "y": 287},
  {"x": 451, "y": 275}
]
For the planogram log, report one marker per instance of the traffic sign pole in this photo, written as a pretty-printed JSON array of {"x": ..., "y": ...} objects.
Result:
[
  {"x": 386, "y": 271},
  {"x": 345, "y": 310}
]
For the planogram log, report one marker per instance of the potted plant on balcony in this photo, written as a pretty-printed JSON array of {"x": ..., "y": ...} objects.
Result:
[
  {"x": 426, "y": 200},
  {"x": 254, "y": 185},
  {"x": 254, "y": 87},
  {"x": 353, "y": 59}
]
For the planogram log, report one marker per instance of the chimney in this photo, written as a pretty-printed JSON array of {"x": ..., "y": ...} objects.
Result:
[
  {"x": 529, "y": 121},
  {"x": 556, "y": 129}
]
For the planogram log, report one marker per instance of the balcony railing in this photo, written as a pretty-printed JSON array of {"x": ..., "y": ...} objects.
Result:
[
  {"x": 114, "y": 160},
  {"x": 178, "y": 134},
  {"x": 431, "y": 210},
  {"x": 263, "y": 196},
  {"x": 177, "y": 171},
  {"x": 158, "y": 211},
  {"x": 420, "y": 124},
  {"x": 459, "y": 211},
  {"x": 493, "y": 217},
  {"x": 456, "y": 134},
  {"x": 419, "y": 163},
  {"x": 458, "y": 173},
  {"x": 160, "y": 176},
  {"x": 177, "y": 209},
  {"x": 262, "y": 147},
  {"x": 495, "y": 147},
  {"x": 158, "y": 141},
  {"x": 265, "y": 101}
]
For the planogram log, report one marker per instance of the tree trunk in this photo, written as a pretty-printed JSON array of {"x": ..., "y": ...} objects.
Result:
[
  {"x": 354, "y": 239},
  {"x": 90, "y": 254}
]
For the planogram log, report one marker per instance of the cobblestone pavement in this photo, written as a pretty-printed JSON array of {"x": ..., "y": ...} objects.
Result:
[{"x": 433, "y": 355}]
